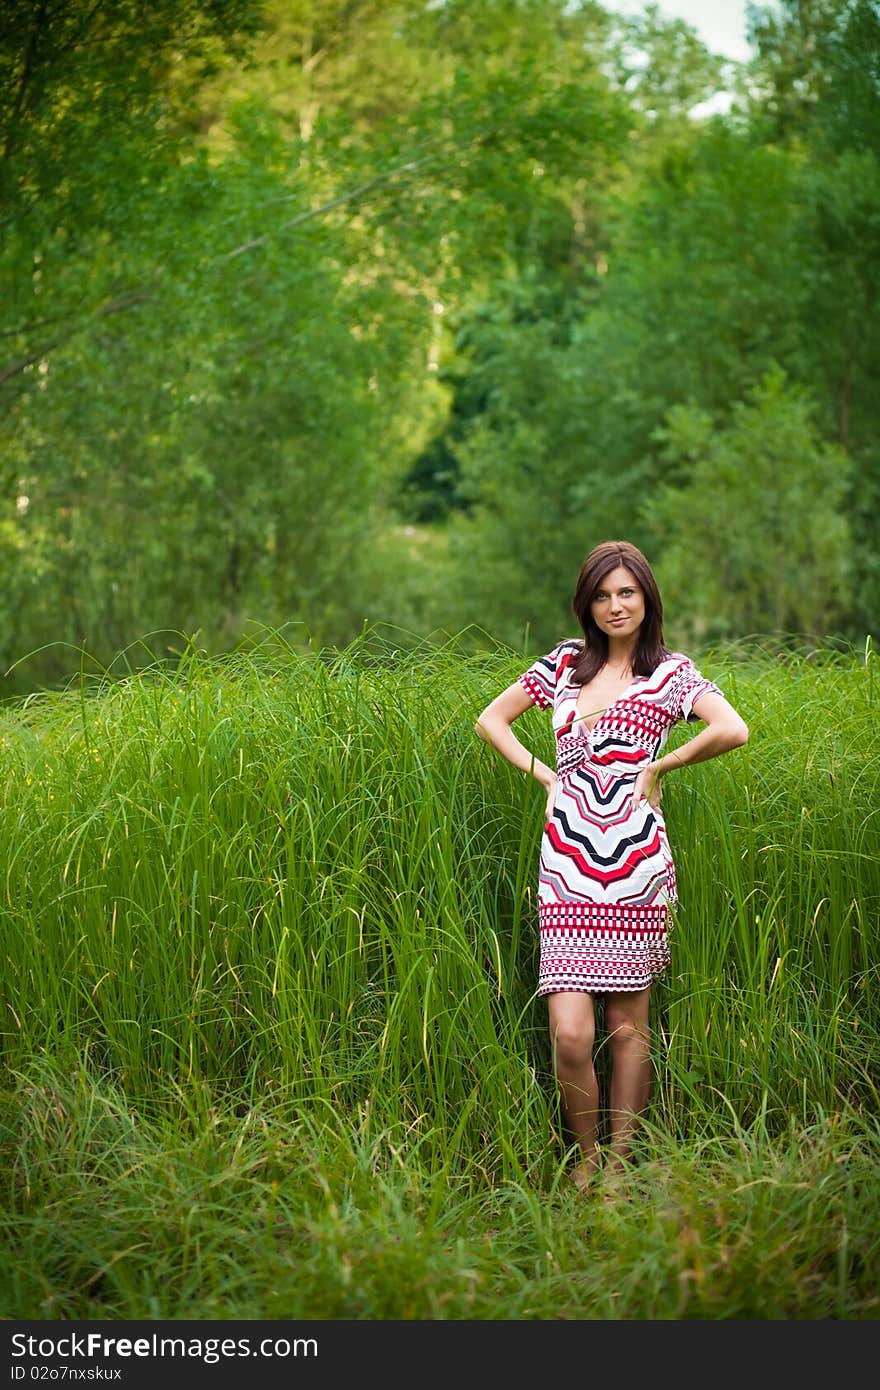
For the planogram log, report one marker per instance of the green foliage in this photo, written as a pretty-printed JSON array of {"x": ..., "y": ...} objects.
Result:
[
  {"x": 270, "y": 1037},
  {"x": 752, "y": 535},
  {"x": 663, "y": 65},
  {"x": 816, "y": 71},
  {"x": 212, "y": 434},
  {"x": 170, "y": 462},
  {"x": 89, "y": 101},
  {"x": 282, "y": 279}
]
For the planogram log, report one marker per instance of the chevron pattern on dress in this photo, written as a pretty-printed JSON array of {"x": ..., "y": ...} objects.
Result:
[{"x": 606, "y": 879}]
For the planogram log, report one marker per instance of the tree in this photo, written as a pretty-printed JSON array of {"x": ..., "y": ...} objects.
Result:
[
  {"x": 664, "y": 67},
  {"x": 816, "y": 72},
  {"x": 815, "y": 88},
  {"x": 221, "y": 348},
  {"x": 752, "y": 537},
  {"x": 89, "y": 120}
]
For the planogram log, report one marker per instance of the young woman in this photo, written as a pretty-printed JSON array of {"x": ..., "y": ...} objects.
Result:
[{"x": 606, "y": 877}]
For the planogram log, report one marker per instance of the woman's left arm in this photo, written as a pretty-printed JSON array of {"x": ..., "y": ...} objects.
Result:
[{"x": 724, "y": 730}]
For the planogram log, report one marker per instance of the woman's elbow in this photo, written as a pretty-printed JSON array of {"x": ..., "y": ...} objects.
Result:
[
  {"x": 479, "y": 729},
  {"x": 739, "y": 734}
]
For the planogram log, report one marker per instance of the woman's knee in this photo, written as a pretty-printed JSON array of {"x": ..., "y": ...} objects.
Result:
[
  {"x": 625, "y": 1029},
  {"x": 572, "y": 1040}
]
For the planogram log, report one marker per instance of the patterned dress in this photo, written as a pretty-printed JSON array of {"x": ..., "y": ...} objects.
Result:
[{"x": 607, "y": 879}]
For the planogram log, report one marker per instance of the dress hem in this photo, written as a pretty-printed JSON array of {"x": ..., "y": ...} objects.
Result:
[{"x": 569, "y": 987}]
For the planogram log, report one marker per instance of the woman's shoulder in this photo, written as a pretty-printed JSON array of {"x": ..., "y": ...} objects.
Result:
[
  {"x": 548, "y": 675},
  {"x": 667, "y": 676},
  {"x": 564, "y": 653},
  {"x": 567, "y": 653},
  {"x": 677, "y": 661},
  {"x": 568, "y": 645}
]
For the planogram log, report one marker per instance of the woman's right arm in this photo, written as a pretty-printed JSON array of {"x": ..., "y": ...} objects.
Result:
[{"x": 494, "y": 724}]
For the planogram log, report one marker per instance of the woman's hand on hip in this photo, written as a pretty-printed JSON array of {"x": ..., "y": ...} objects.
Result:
[{"x": 648, "y": 787}]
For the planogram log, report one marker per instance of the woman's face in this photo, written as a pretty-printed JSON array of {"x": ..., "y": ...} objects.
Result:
[{"x": 618, "y": 605}]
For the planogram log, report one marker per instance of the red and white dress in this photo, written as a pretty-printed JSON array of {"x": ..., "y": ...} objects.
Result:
[{"x": 607, "y": 879}]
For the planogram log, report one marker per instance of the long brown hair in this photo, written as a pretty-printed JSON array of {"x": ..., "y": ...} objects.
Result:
[{"x": 650, "y": 649}]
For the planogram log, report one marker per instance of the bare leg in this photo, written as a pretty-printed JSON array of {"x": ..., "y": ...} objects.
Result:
[
  {"x": 572, "y": 1034},
  {"x": 626, "y": 1018}
]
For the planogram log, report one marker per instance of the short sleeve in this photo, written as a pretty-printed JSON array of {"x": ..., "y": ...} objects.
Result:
[
  {"x": 690, "y": 685},
  {"x": 539, "y": 681}
]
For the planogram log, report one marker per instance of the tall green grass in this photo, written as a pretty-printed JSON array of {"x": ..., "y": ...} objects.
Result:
[{"x": 270, "y": 1039}]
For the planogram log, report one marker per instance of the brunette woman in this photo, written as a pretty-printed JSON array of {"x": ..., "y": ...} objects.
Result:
[{"x": 606, "y": 878}]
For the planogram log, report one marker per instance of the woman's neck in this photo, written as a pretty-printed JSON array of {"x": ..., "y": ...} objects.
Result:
[{"x": 620, "y": 655}]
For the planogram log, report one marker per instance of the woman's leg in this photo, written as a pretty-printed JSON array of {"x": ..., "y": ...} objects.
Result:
[
  {"x": 629, "y": 1037},
  {"x": 572, "y": 1034}
]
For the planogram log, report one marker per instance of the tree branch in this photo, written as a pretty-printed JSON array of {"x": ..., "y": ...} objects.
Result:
[
  {"x": 113, "y": 306},
  {"x": 326, "y": 207},
  {"x": 135, "y": 297}
]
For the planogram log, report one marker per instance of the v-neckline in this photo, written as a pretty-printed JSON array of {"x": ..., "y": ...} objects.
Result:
[{"x": 581, "y": 718}]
